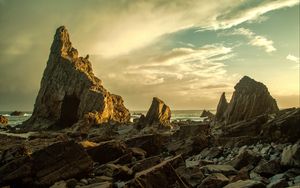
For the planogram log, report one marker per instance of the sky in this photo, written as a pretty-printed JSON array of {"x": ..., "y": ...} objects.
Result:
[{"x": 185, "y": 52}]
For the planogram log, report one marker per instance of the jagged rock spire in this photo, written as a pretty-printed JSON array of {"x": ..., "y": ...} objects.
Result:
[
  {"x": 221, "y": 108},
  {"x": 71, "y": 93}
]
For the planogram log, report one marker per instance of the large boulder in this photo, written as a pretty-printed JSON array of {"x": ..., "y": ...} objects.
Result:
[
  {"x": 158, "y": 114},
  {"x": 56, "y": 162},
  {"x": 284, "y": 127},
  {"x": 250, "y": 99},
  {"x": 70, "y": 92},
  {"x": 3, "y": 120},
  {"x": 221, "y": 108},
  {"x": 107, "y": 151},
  {"x": 160, "y": 175}
]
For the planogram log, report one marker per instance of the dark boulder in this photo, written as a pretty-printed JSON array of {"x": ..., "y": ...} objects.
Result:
[{"x": 56, "y": 162}]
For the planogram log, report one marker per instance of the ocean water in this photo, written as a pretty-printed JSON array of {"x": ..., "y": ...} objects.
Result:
[
  {"x": 182, "y": 115},
  {"x": 15, "y": 120}
]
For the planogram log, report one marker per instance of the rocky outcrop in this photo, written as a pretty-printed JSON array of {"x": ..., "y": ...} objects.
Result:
[
  {"x": 17, "y": 113},
  {"x": 71, "y": 93},
  {"x": 221, "y": 108},
  {"x": 43, "y": 168},
  {"x": 3, "y": 120},
  {"x": 207, "y": 114},
  {"x": 250, "y": 99},
  {"x": 159, "y": 114}
]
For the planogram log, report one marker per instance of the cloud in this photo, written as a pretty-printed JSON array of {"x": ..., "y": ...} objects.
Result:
[
  {"x": 179, "y": 75},
  {"x": 292, "y": 58},
  {"x": 254, "y": 39},
  {"x": 249, "y": 10}
]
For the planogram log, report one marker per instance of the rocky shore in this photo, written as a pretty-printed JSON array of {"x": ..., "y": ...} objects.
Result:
[{"x": 83, "y": 138}]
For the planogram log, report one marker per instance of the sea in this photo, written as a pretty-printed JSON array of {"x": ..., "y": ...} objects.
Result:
[{"x": 177, "y": 115}]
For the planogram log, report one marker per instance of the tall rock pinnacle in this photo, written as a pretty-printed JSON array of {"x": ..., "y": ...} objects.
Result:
[
  {"x": 221, "y": 108},
  {"x": 250, "y": 99},
  {"x": 70, "y": 92}
]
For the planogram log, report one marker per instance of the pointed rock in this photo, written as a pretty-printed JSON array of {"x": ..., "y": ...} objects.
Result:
[
  {"x": 158, "y": 114},
  {"x": 222, "y": 107},
  {"x": 70, "y": 92},
  {"x": 250, "y": 99}
]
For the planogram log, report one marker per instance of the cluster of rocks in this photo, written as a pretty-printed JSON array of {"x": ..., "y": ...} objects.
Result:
[
  {"x": 248, "y": 143},
  {"x": 268, "y": 165}
]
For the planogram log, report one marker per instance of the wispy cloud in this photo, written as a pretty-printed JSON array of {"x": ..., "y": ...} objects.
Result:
[
  {"x": 184, "y": 73},
  {"x": 254, "y": 39},
  {"x": 292, "y": 58}
]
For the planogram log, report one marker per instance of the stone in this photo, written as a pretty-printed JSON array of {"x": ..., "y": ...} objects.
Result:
[
  {"x": 268, "y": 168},
  {"x": 43, "y": 168},
  {"x": 189, "y": 139},
  {"x": 70, "y": 93},
  {"x": 145, "y": 163},
  {"x": 245, "y": 158},
  {"x": 153, "y": 144},
  {"x": 191, "y": 175},
  {"x": 161, "y": 175},
  {"x": 284, "y": 127},
  {"x": 3, "y": 120},
  {"x": 223, "y": 169},
  {"x": 278, "y": 184},
  {"x": 250, "y": 99},
  {"x": 158, "y": 114},
  {"x": 107, "y": 151},
  {"x": 215, "y": 180},
  {"x": 59, "y": 184},
  {"x": 221, "y": 108},
  {"x": 13, "y": 153},
  {"x": 17, "y": 113},
  {"x": 246, "y": 184},
  {"x": 291, "y": 155},
  {"x": 207, "y": 114},
  {"x": 98, "y": 185}
]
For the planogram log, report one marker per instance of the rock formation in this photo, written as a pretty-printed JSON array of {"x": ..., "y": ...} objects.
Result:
[
  {"x": 250, "y": 99},
  {"x": 71, "y": 93},
  {"x": 158, "y": 114},
  {"x": 207, "y": 114},
  {"x": 17, "y": 113},
  {"x": 221, "y": 108},
  {"x": 3, "y": 120}
]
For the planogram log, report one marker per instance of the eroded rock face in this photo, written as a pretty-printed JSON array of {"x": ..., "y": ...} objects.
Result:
[
  {"x": 250, "y": 99},
  {"x": 221, "y": 108},
  {"x": 158, "y": 114},
  {"x": 70, "y": 92}
]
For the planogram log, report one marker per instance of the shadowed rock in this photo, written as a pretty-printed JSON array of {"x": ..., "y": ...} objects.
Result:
[
  {"x": 71, "y": 93},
  {"x": 221, "y": 108},
  {"x": 59, "y": 161},
  {"x": 250, "y": 99},
  {"x": 158, "y": 114}
]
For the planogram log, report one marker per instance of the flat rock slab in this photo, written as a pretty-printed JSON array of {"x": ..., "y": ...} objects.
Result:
[
  {"x": 246, "y": 184},
  {"x": 223, "y": 169}
]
